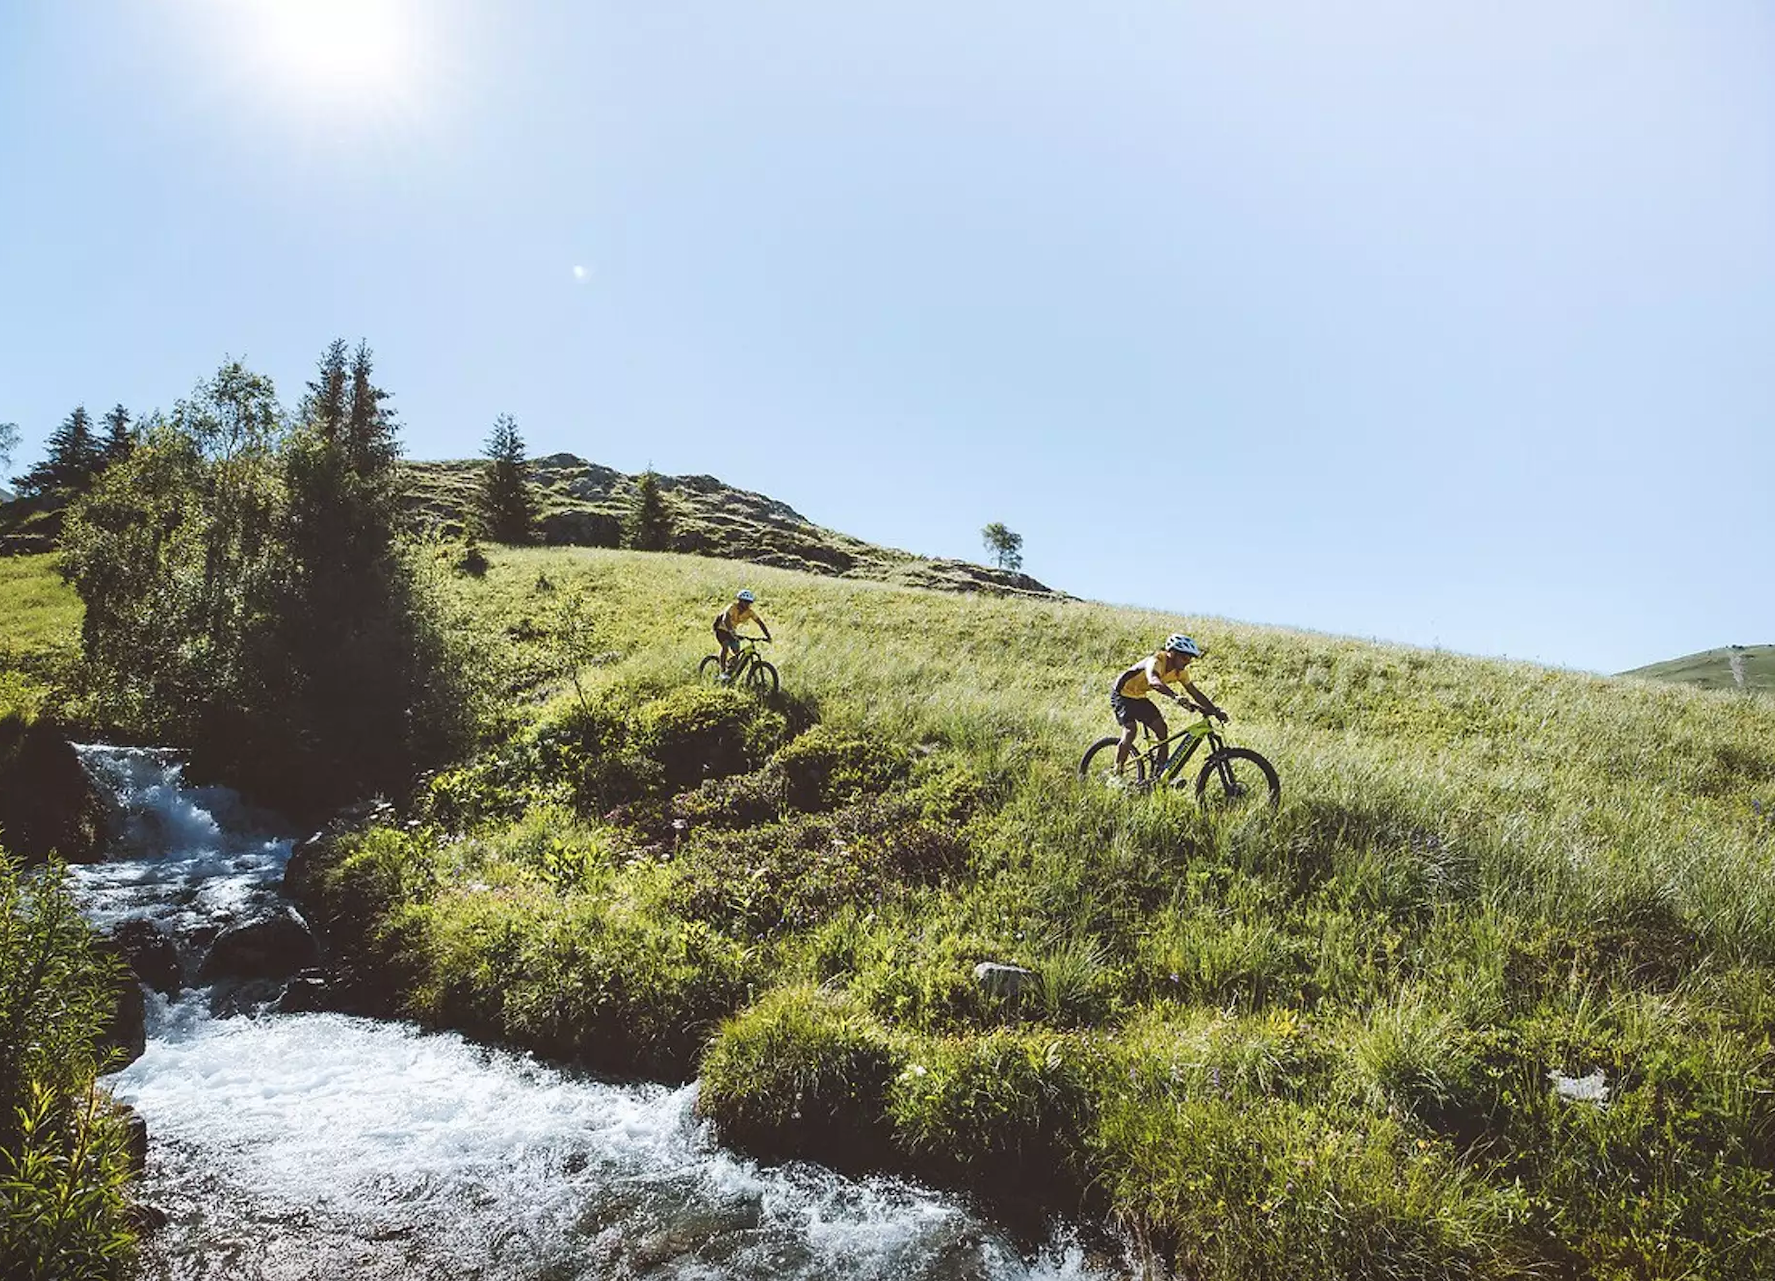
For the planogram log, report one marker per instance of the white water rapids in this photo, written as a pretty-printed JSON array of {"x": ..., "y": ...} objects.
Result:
[{"x": 325, "y": 1146}]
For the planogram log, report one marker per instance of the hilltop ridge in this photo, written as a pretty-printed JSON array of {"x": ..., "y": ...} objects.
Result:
[
  {"x": 1746, "y": 667},
  {"x": 582, "y": 504}
]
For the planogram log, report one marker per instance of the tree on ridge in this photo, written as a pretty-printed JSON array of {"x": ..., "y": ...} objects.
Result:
[
  {"x": 1006, "y": 546},
  {"x": 504, "y": 503}
]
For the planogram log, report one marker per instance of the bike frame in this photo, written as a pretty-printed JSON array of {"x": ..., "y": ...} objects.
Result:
[
  {"x": 1202, "y": 730},
  {"x": 744, "y": 654}
]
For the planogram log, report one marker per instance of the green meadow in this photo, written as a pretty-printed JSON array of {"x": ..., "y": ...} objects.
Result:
[{"x": 1490, "y": 995}]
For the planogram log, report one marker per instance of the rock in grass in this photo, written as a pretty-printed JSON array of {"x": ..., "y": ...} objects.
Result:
[
  {"x": 1581, "y": 1089},
  {"x": 1006, "y": 981}
]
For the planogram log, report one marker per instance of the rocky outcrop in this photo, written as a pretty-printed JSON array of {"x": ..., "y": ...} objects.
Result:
[
  {"x": 48, "y": 803},
  {"x": 272, "y": 947},
  {"x": 150, "y": 954}
]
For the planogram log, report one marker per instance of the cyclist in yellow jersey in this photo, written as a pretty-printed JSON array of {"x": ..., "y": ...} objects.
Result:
[
  {"x": 729, "y": 620},
  {"x": 1128, "y": 696}
]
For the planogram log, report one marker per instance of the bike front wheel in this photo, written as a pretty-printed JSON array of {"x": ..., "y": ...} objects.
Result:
[
  {"x": 1099, "y": 765},
  {"x": 762, "y": 677},
  {"x": 1236, "y": 777}
]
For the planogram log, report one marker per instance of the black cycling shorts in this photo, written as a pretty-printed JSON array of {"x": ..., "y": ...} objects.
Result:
[{"x": 1136, "y": 711}]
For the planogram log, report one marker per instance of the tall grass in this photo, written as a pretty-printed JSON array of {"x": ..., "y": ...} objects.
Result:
[{"x": 1315, "y": 1044}]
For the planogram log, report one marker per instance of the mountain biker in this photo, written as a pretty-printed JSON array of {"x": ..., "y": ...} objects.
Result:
[
  {"x": 729, "y": 620},
  {"x": 1128, "y": 696}
]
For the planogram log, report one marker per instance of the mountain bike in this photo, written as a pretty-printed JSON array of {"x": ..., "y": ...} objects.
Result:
[
  {"x": 747, "y": 667},
  {"x": 1231, "y": 776}
]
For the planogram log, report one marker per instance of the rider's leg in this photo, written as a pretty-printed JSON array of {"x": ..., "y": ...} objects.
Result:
[
  {"x": 1157, "y": 725},
  {"x": 1126, "y": 746}
]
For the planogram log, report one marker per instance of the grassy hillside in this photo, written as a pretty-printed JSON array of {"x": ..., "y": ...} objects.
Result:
[
  {"x": 584, "y": 504},
  {"x": 1740, "y": 667},
  {"x": 1326, "y": 1043},
  {"x": 39, "y": 628}
]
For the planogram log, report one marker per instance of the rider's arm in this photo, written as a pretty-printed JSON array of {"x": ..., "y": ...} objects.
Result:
[
  {"x": 1156, "y": 679},
  {"x": 1203, "y": 701},
  {"x": 759, "y": 619}
]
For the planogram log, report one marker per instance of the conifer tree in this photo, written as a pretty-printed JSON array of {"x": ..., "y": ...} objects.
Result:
[
  {"x": 372, "y": 439},
  {"x": 324, "y": 406},
  {"x": 74, "y": 459},
  {"x": 650, "y": 519},
  {"x": 120, "y": 437},
  {"x": 504, "y": 504},
  {"x": 8, "y": 443}
]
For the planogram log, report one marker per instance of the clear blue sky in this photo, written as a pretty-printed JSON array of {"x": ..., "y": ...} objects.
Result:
[{"x": 1443, "y": 323}]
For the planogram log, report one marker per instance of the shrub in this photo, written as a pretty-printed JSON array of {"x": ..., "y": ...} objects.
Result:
[
  {"x": 803, "y": 1073},
  {"x": 697, "y": 732},
  {"x": 64, "y": 1167},
  {"x": 1009, "y": 1111},
  {"x": 825, "y": 767}
]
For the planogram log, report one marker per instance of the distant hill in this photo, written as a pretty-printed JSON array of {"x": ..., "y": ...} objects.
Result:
[
  {"x": 1733, "y": 667},
  {"x": 583, "y": 505}
]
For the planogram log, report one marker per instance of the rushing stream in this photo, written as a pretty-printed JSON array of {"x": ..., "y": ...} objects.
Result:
[{"x": 325, "y": 1146}]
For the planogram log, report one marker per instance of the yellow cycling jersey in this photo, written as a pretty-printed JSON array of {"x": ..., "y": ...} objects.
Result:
[
  {"x": 729, "y": 619},
  {"x": 1135, "y": 683}
]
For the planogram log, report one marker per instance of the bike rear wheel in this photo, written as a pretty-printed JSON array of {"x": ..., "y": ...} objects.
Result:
[
  {"x": 1237, "y": 777},
  {"x": 709, "y": 668},
  {"x": 762, "y": 677},
  {"x": 1099, "y": 764}
]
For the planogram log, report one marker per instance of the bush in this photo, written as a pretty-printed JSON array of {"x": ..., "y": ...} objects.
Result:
[
  {"x": 825, "y": 767},
  {"x": 697, "y": 732},
  {"x": 803, "y": 1073},
  {"x": 64, "y": 1167},
  {"x": 1010, "y": 1112}
]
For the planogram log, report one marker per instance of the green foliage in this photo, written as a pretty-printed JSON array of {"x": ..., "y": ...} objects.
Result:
[
  {"x": 805, "y": 1072},
  {"x": 246, "y": 594},
  {"x": 1005, "y": 546},
  {"x": 8, "y": 443},
  {"x": 1310, "y": 1044},
  {"x": 504, "y": 504},
  {"x": 1012, "y": 1110},
  {"x": 63, "y": 1164},
  {"x": 649, "y": 526},
  {"x": 75, "y": 457}
]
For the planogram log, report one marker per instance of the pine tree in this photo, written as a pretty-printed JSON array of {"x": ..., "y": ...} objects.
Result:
[
  {"x": 504, "y": 503},
  {"x": 324, "y": 406},
  {"x": 650, "y": 519},
  {"x": 120, "y": 437},
  {"x": 371, "y": 435},
  {"x": 1006, "y": 546},
  {"x": 74, "y": 459}
]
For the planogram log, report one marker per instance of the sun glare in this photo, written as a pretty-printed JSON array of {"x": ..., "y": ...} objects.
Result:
[{"x": 343, "y": 52}]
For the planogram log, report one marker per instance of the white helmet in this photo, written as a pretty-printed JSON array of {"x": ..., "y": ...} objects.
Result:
[
  {"x": 1181, "y": 644},
  {"x": 746, "y": 595}
]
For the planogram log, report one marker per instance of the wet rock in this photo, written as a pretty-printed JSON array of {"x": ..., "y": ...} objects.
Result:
[
  {"x": 150, "y": 953},
  {"x": 1006, "y": 981},
  {"x": 273, "y": 947},
  {"x": 299, "y": 871},
  {"x": 136, "y": 1144},
  {"x": 145, "y": 1218},
  {"x": 309, "y": 991},
  {"x": 127, "y": 1030}
]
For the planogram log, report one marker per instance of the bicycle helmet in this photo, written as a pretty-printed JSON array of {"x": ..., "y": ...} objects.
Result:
[
  {"x": 1181, "y": 644},
  {"x": 746, "y": 595}
]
